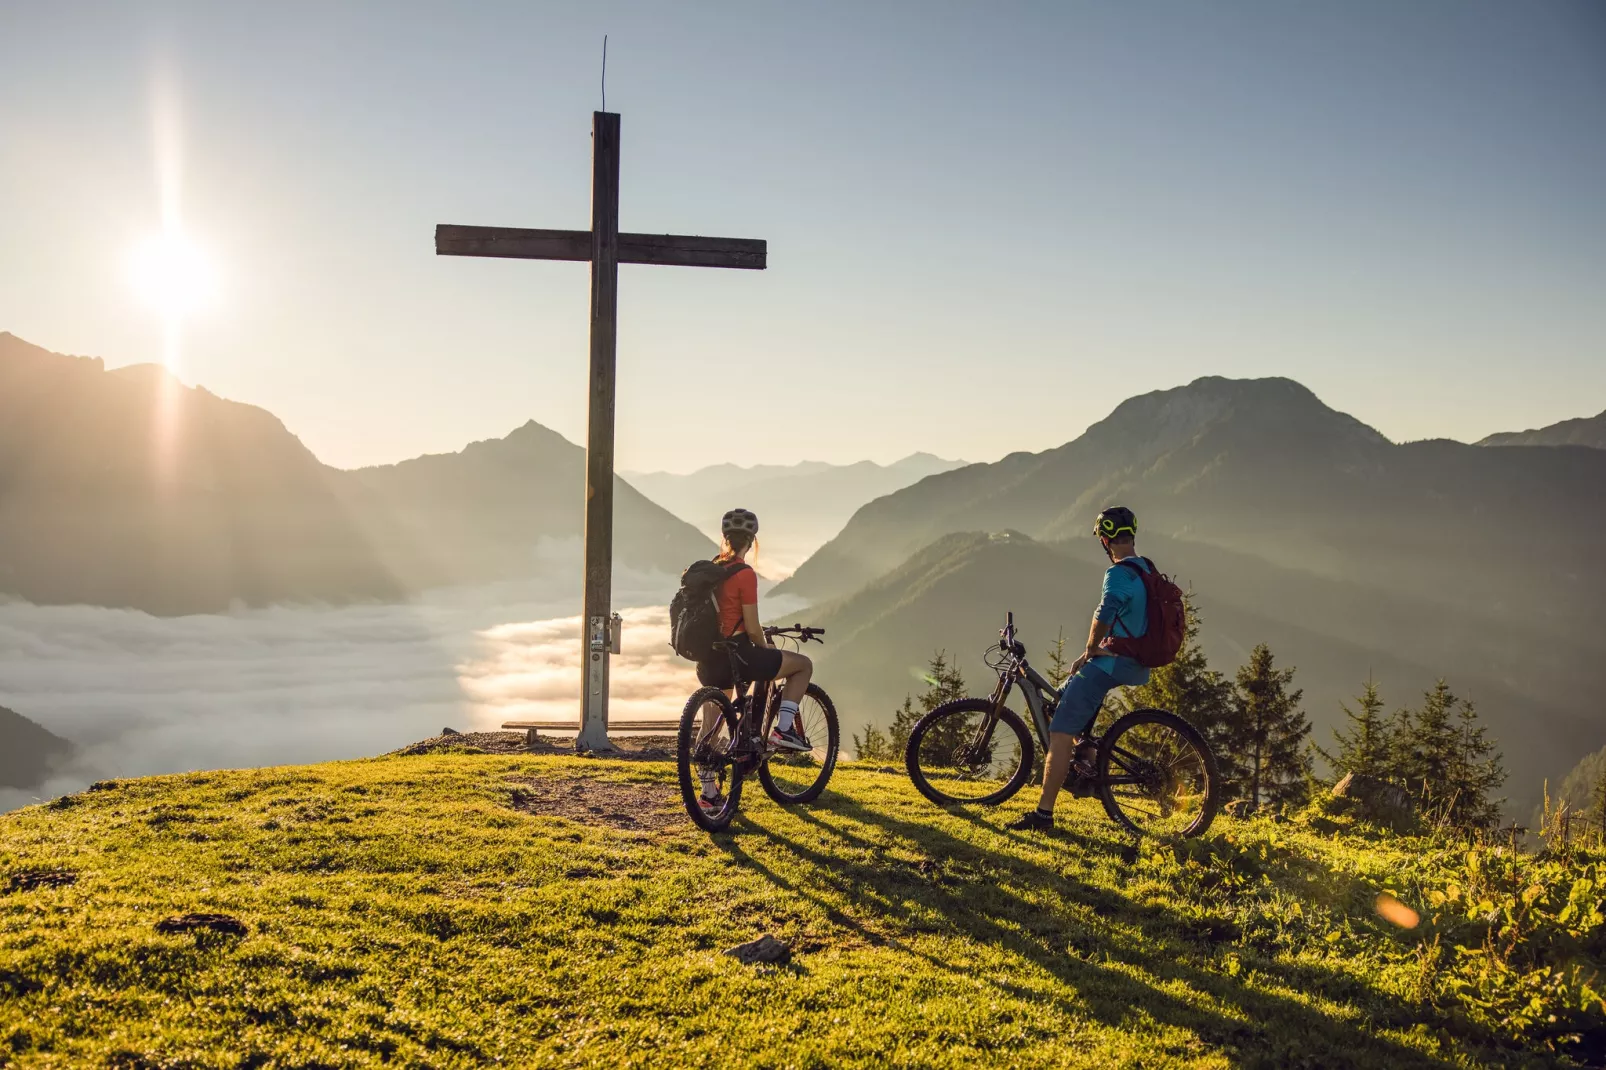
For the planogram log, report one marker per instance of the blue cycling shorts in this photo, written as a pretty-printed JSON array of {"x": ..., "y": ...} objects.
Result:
[{"x": 1084, "y": 694}]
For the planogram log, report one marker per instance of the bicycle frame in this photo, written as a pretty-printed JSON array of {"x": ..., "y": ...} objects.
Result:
[
  {"x": 1041, "y": 696},
  {"x": 751, "y": 733}
]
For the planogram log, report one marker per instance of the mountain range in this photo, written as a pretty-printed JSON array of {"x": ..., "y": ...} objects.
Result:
[
  {"x": 1294, "y": 524},
  {"x": 799, "y": 506},
  {"x": 28, "y": 752},
  {"x": 126, "y": 488},
  {"x": 1586, "y": 431}
]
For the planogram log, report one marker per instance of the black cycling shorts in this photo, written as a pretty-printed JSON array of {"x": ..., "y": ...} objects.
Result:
[{"x": 753, "y": 663}]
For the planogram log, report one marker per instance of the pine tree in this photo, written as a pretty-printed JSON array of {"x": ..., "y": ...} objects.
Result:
[
  {"x": 944, "y": 683},
  {"x": 1446, "y": 759},
  {"x": 1598, "y": 805},
  {"x": 1267, "y": 732},
  {"x": 1427, "y": 745},
  {"x": 1058, "y": 667},
  {"x": 873, "y": 746},
  {"x": 1365, "y": 748},
  {"x": 1477, "y": 774},
  {"x": 1188, "y": 687}
]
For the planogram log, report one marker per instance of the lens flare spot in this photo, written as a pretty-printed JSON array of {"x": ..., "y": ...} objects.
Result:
[{"x": 1392, "y": 910}]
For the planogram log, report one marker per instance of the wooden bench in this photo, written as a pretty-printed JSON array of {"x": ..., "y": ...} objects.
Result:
[{"x": 533, "y": 729}]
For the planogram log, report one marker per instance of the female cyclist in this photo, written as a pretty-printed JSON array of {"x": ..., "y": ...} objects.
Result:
[{"x": 750, "y": 652}]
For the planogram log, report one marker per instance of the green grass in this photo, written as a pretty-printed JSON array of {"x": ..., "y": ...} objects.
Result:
[{"x": 400, "y": 911}]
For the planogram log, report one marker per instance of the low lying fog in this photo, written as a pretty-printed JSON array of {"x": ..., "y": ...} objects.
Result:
[{"x": 141, "y": 694}]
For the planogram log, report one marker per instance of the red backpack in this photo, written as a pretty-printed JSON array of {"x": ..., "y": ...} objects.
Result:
[{"x": 1168, "y": 621}]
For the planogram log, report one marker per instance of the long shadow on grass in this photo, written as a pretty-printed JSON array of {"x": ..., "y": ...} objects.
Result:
[{"x": 1272, "y": 1029}]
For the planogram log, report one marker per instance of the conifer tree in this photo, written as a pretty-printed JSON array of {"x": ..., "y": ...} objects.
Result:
[
  {"x": 944, "y": 683},
  {"x": 1446, "y": 759},
  {"x": 1265, "y": 738},
  {"x": 1478, "y": 773},
  {"x": 1365, "y": 749},
  {"x": 1427, "y": 743},
  {"x": 1058, "y": 667},
  {"x": 1597, "y": 800}
]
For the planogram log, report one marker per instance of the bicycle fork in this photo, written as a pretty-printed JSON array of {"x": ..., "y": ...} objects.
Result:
[{"x": 984, "y": 730}]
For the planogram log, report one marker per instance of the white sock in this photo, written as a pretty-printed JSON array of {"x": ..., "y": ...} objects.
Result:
[{"x": 787, "y": 716}]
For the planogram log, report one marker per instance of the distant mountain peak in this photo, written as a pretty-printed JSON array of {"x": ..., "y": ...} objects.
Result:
[{"x": 1163, "y": 419}]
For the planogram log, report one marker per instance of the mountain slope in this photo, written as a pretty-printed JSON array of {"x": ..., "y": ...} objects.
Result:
[
  {"x": 467, "y": 909},
  {"x": 954, "y": 593},
  {"x": 126, "y": 488},
  {"x": 1263, "y": 467},
  {"x": 28, "y": 752},
  {"x": 478, "y": 514},
  {"x": 800, "y": 506},
  {"x": 1587, "y": 431}
]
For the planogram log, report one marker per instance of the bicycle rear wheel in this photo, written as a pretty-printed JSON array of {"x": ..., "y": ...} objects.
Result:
[
  {"x": 705, "y": 761},
  {"x": 958, "y": 753},
  {"x": 1156, "y": 775},
  {"x": 799, "y": 776}
]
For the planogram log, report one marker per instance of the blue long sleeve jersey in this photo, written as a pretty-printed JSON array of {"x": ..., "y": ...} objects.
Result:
[{"x": 1125, "y": 604}]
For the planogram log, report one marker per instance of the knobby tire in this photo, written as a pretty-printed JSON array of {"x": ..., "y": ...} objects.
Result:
[
  {"x": 1008, "y": 725},
  {"x": 686, "y": 744},
  {"x": 833, "y": 744},
  {"x": 1111, "y": 738}
]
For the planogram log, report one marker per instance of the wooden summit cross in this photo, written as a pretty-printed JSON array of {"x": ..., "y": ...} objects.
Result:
[{"x": 606, "y": 248}]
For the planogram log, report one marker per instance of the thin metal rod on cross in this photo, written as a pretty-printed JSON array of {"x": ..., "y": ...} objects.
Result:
[{"x": 606, "y": 249}]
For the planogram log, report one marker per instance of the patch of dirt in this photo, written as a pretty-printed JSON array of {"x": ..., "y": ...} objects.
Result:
[
  {"x": 599, "y": 802},
  {"x": 218, "y": 923},
  {"x": 29, "y": 879},
  {"x": 629, "y": 748}
]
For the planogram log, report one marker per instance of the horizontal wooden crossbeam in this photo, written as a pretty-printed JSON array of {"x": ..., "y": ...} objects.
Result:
[{"x": 520, "y": 243}]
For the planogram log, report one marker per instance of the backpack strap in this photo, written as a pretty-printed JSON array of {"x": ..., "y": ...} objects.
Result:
[
  {"x": 731, "y": 572},
  {"x": 1135, "y": 567}
]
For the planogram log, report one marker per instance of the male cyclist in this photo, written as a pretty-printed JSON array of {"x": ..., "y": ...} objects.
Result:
[{"x": 1122, "y": 611}]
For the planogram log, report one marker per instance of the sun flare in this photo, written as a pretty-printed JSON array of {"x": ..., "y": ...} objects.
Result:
[{"x": 172, "y": 275}]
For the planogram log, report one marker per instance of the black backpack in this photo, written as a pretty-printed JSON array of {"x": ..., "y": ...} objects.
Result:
[{"x": 694, "y": 612}]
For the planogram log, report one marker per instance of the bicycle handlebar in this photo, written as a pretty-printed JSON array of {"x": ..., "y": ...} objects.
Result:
[{"x": 797, "y": 631}]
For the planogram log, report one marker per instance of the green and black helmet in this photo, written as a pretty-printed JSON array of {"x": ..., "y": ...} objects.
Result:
[{"x": 1114, "y": 521}]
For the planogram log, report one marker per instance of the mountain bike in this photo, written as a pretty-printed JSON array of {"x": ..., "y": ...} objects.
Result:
[
  {"x": 723, "y": 741},
  {"x": 1154, "y": 773}
]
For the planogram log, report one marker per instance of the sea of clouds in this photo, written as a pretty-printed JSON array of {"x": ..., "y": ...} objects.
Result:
[{"x": 141, "y": 695}]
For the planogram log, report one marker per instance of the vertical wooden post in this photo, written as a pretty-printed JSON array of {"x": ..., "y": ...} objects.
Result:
[{"x": 599, "y": 432}]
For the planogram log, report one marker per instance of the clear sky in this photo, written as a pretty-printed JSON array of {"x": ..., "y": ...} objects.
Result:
[{"x": 988, "y": 223}]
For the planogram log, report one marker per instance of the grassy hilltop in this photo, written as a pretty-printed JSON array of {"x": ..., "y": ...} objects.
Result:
[{"x": 460, "y": 909}]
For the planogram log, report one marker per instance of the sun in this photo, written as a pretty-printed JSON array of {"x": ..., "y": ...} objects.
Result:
[{"x": 172, "y": 275}]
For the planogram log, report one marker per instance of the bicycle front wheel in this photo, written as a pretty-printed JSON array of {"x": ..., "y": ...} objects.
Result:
[
  {"x": 705, "y": 760},
  {"x": 791, "y": 776},
  {"x": 961, "y": 753},
  {"x": 1156, "y": 775}
]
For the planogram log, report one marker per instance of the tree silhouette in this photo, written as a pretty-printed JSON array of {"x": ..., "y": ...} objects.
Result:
[
  {"x": 1265, "y": 739},
  {"x": 1445, "y": 758},
  {"x": 944, "y": 683},
  {"x": 1367, "y": 747}
]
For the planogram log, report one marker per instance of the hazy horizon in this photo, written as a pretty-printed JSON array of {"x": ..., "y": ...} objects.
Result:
[
  {"x": 692, "y": 467},
  {"x": 1397, "y": 206}
]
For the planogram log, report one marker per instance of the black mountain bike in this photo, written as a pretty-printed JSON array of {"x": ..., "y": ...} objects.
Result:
[
  {"x": 1154, "y": 772},
  {"x": 722, "y": 742}
]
